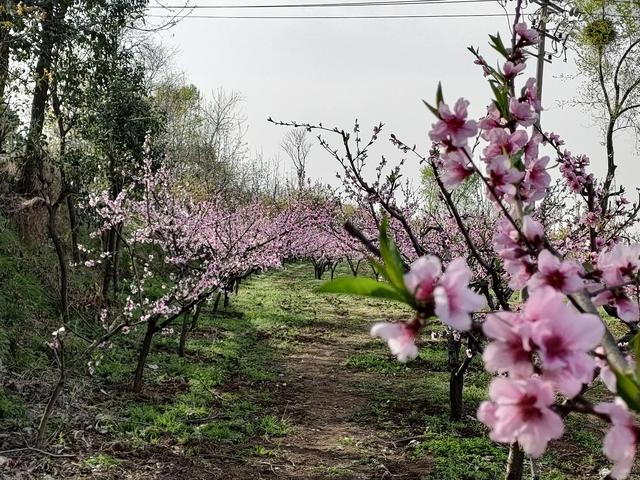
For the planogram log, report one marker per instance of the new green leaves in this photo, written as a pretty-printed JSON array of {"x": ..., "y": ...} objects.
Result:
[
  {"x": 439, "y": 100},
  {"x": 366, "y": 287},
  {"x": 392, "y": 269},
  {"x": 628, "y": 383}
]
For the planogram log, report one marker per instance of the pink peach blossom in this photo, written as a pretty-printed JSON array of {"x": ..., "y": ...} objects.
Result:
[
  {"x": 455, "y": 168},
  {"x": 510, "y": 350},
  {"x": 522, "y": 113},
  {"x": 563, "y": 276},
  {"x": 564, "y": 338},
  {"x": 621, "y": 440},
  {"x": 453, "y": 128},
  {"x": 529, "y": 35},
  {"x": 422, "y": 277},
  {"x": 503, "y": 177},
  {"x": 502, "y": 142},
  {"x": 400, "y": 337},
  {"x": 453, "y": 298},
  {"x": 519, "y": 411}
]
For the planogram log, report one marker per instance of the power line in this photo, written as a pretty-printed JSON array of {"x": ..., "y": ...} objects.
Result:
[
  {"x": 384, "y": 3},
  {"x": 332, "y": 17}
]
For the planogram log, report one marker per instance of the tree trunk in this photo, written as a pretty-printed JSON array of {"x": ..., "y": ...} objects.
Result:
[
  {"x": 318, "y": 270},
  {"x": 183, "y": 334},
  {"x": 515, "y": 463},
  {"x": 352, "y": 266},
  {"x": 217, "y": 302},
  {"x": 196, "y": 315},
  {"x": 375, "y": 272},
  {"x": 333, "y": 269},
  {"x": 62, "y": 262},
  {"x": 108, "y": 263},
  {"x": 145, "y": 348},
  {"x": 44, "y": 420},
  {"x": 237, "y": 285},
  {"x": 5, "y": 41},
  {"x": 33, "y": 158},
  {"x": 611, "y": 166},
  {"x": 116, "y": 259},
  {"x": 73, "y": 226},
  {"x": 456, "y": 382},
  {"x": 226, "y": 299}
]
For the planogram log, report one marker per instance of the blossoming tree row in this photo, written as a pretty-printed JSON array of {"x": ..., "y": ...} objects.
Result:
[{"x": 547, "y": 349}]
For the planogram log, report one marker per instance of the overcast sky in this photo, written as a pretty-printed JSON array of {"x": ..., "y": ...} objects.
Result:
[{"x": 335, "y": 70}]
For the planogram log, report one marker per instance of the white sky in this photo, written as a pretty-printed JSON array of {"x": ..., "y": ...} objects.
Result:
[{"x": 332, "y": 71}]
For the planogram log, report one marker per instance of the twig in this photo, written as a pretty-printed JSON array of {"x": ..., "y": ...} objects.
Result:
[{"x": 37, "y": 450}]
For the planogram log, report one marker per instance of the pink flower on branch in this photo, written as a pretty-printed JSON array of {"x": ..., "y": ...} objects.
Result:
[
  {"x": 519, "y": 410},
  {"x": 453, "y": 127},
  {"x": 502, "y": 142},
  {"x": 620, "y": 264},
  {"x": 564, "y": 338},
  {"x": 510, "y": 351},
  {"x": 456, "y": 168},
  {"x": 528, "y": 35},
  {"x": 621, "y": 441},
  {"x": 503, "y": 177},
  {"x": 400, "y": 337},
  {"x": 454, "y": 299},
  {"x": 536, "y": 180},
  {"x": 511, "y": 70},
  {"x": 448, "y": 293},
  {"x": 522, "y": 112},
  {"x": 422, "y": 277},
  {"x": 563, "y": 276}
]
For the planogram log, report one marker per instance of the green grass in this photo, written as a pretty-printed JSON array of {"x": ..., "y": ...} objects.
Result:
[
  {"x": 101, "y": 461},
  {"x": 222, "y": 394},
  {"x": 460, "y": 458},
  {"x": 13, "y": 410}
]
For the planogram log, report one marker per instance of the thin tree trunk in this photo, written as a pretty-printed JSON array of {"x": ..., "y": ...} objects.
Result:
[
  {"x": 515, "y": 463},
  {"x": 62, "y": 262},
  {"x": 108, "y": 263},
  {"x": 333, "y": 269},
  {"x": 226, "y": 300},
  {"x": 217, "y": 302},
  {"x": 196, "y": 315},
  {"x": 183, "y": 333},
  {"x": 145, "y": 348},
  {"x": 456, "y": 381},
  {"x": 116, "y": 259},
  {"x": 33, "y": 159},
  {"x": 611, "y": 166},
  {"x": 44, "y": 420},
  {"x": 73, "y": 226},
  {"x": 375, "y": 272},
  {"x": 5, "y": 41}
]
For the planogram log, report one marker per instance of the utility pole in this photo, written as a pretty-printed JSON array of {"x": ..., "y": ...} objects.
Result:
[{"x": 542, "y": 29}]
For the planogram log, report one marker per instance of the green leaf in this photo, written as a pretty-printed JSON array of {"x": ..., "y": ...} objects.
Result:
[
  {"x": 433, "y": 109},
  {"x": 439, "y": 95},
  {"x": 628, "y": 390},
  {"x": 501, "y": 97},
  {"x": 497, "y": 45},
  {"x": 516, "y": 160},
  {"x": 635, "y": 344},
  {"x": 366, "y": 287},
  {"x": 393, "y": 264}
]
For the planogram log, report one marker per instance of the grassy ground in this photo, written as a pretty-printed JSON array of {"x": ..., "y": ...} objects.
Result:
[{"x": 283, "y": 384}]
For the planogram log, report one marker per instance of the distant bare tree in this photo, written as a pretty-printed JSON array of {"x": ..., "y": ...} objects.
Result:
[{"x": 297, "y": 146}]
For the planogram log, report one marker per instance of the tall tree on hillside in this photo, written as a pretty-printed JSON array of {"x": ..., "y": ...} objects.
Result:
[
  {"x": 297, "y": 146},
  {"x": 608, "y": 47}
]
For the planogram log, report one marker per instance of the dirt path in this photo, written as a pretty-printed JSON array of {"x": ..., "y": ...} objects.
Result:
[{"x": 322, "y": 401}]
